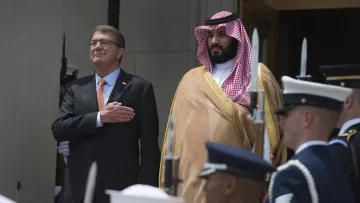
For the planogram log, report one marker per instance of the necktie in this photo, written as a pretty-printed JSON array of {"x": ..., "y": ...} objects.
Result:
[{"x": 100, "y": 94}]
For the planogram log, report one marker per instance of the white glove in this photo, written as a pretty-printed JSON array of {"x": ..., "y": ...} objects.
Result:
[{"x": 63, "y": 148}]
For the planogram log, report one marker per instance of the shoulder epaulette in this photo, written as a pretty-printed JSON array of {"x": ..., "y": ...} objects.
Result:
[{"x": 349, "y": 134}]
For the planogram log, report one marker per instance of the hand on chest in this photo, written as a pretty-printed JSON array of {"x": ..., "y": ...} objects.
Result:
[{"x": 87, "y": 100}]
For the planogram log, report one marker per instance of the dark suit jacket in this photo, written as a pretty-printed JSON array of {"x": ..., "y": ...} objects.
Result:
[
  {"x": 115, "y": 147},
  {"x": 345, "y": 149},
  {"x": 331, "y": 185}
]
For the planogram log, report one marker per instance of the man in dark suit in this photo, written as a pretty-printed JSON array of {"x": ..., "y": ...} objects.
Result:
[
  {"x": 309, "y": 114},
  {"x": 103, "y": 116},
  {"x": 345, "y": 147}
]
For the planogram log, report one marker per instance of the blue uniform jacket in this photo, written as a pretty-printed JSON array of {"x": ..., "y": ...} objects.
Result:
[{"x": 310, "y": 176}]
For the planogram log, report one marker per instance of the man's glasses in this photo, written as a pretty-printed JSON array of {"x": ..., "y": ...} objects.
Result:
[{"x": 103, "y": 42}]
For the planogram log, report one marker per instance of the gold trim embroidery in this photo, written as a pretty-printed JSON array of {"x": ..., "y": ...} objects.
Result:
[
  {"x": 219, "y": 94},
  {"x": 349, "y": 134},
  {"x": 347, "y": 77}
]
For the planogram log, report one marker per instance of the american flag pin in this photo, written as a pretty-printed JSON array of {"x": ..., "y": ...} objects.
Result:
[{"x": 124, "y": 83}]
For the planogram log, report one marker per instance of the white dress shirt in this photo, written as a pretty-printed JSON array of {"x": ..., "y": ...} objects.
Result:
[
  {"x": 108, "y": 87},
  {"x": 222, "y": 71}
]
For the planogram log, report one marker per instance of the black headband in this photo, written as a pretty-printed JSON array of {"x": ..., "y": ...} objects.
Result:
[{"x": 225, "y": 19}]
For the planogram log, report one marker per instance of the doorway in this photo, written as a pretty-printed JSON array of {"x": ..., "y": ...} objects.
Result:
[
  {"x": 114, "y": 13},
  {"x": 255, "y": 14},
  {"x": 332, "y": 34}
]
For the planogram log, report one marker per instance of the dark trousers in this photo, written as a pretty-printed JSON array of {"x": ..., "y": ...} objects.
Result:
[{"x": 65, "y": 195}]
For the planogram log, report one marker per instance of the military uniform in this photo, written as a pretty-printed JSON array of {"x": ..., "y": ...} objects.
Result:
[
  {"x": 334, "y": 133},
  {"x": 236, "y": 161},
  {"x": 252, "y": 171},
  {"x": 346, "y": 146},
  {"x": 62, "y": 191},
  {"x": 310, "y": 175}
]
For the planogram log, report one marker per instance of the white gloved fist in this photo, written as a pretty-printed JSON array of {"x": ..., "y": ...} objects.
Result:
[{"x": 64, "y": 149}]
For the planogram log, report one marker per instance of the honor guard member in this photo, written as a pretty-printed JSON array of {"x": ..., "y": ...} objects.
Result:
[
  {"x": 227, "y": 171},
  {"x": 62, "y": 192},
  {"x": 346, "y": 146},
  {"x": 309, "y": 114}
]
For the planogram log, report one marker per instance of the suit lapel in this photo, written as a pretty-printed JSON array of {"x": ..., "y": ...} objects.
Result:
[{"x": 123, "y": 83}]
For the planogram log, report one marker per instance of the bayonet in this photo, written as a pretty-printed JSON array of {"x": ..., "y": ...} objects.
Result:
[
  {"x": 256, "y": 111},
  {"x": 303, "y": 58},
  {"x": 303, "y": 62},
  {"x": 254, "y": 59},
  {"x": 254, "y": 72}
]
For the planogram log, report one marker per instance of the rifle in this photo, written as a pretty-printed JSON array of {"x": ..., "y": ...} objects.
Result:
[
  {"x": 257, "y": 111},
  {"x": 63, "y": 64},
  {"x": 171, "y": 162},
  {"x": 61, "y": 161}
]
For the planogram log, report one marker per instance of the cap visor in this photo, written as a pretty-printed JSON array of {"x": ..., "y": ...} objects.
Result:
[
  {"x": 283, "y": 110},
  {"x": 205, "y": 172}
]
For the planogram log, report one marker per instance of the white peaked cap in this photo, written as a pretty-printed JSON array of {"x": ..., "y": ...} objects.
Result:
[
  {"x": 142, "y": 194},
  {"x": 4, "y": 199},
  {"x": 300, "y": 92},
  {"x": 294, "y": 86}
]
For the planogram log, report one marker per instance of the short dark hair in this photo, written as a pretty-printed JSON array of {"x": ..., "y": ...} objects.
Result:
[{"x": 119, "y": 38}]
